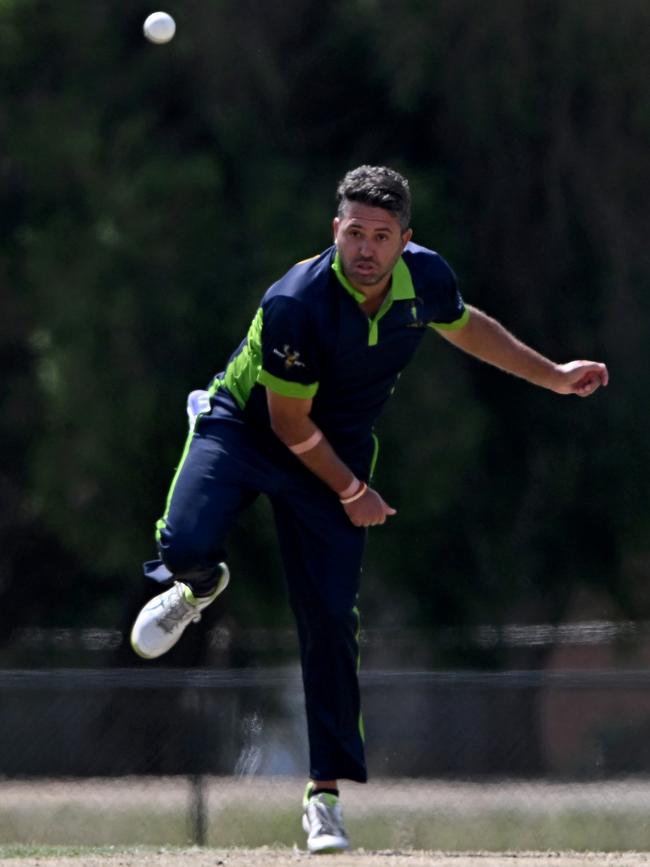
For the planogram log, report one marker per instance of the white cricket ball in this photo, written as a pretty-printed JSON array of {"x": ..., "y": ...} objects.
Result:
[{"x": 159, "y": 27}]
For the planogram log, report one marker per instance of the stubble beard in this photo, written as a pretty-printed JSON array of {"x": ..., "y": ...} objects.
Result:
[{"x": 378, "y": 277}]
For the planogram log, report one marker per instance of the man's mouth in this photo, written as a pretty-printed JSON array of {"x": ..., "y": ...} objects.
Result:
[{"x": 365, "y": 267}]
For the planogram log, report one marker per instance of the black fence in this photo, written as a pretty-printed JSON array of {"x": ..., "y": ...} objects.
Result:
[{"x": 118, "y": 722}]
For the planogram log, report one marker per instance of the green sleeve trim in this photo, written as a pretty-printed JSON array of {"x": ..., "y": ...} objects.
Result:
[
  {"x": 286, "y": 389},
  {"x": 452, "y": 326}
]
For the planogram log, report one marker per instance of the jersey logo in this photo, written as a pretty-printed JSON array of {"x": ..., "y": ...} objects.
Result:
[
  {"x": 291, "y": 356},
  {"x": 415, "y": 322}
]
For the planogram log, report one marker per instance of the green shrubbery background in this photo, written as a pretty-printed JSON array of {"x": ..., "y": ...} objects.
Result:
[{"x": 148, "y": 195}]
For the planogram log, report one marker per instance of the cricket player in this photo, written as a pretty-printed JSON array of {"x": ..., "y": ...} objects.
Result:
[{"x": 291, "y": 416}]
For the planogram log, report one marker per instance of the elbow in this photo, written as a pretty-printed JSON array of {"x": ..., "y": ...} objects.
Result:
[
  {"x": 283, "y": 429},
  {"x": 278, "y": 430}
]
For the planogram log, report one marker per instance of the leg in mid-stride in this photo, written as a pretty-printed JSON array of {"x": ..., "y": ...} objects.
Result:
[{"x": 212, "y": 485}]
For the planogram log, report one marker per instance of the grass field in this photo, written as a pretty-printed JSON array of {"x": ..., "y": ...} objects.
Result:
[{"x": 257, "y": 821}]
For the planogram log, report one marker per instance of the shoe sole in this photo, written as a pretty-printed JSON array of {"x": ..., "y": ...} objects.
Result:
[{"x": 328, "y": 850}]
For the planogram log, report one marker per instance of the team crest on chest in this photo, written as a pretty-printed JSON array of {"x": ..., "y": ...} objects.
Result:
[
  {"x": 416, "y": 321},
  {"x": 291, "y": 356}
]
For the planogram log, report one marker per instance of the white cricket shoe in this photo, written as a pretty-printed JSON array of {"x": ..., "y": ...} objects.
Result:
[
  {"x": 163, "y": 619},
  {"x": 322, "y": 821}
]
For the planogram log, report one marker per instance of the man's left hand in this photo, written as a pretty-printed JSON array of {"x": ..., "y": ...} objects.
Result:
[{"x": 580, "y": 377}]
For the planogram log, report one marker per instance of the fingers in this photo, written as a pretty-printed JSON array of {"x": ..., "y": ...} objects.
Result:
[
  {"x": 387, "y": 512},
  {"x": 366, "y": 521},
  {"x": 588, "y": 384},
  {"x": 594, "y": 374},
  {"x": 369, "y": 511}
]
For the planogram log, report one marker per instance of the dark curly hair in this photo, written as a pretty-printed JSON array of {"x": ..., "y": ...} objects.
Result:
[{"x": 379, "y": 187}]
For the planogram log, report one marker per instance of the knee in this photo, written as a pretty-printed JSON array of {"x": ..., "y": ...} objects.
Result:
[{"x": 178, "y": 552}]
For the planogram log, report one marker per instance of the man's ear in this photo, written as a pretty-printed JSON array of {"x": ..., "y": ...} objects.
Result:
[
  {"x": 335, "y": 227},
  {"x": 406, "y": 237}
]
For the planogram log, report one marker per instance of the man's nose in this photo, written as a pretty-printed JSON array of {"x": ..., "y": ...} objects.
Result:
[{"x": 365, "y": 248}]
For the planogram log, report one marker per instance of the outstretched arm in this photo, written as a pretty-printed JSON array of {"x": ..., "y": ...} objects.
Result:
[{"x": 487, "y": 339}]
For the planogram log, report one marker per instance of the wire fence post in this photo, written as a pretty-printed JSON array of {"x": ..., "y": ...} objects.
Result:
[
  {"x": 198, "y": 810},
  {"x": 197, "y": 766}
]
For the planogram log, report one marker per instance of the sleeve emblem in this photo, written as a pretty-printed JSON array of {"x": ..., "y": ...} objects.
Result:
[{"x": 291, "y": 356}]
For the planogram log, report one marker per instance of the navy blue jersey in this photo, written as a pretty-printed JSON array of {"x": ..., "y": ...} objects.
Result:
[{"x": 311, "y": 339}]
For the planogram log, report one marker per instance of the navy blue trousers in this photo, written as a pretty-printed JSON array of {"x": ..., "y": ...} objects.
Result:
[{"x": 226, "y": 464}]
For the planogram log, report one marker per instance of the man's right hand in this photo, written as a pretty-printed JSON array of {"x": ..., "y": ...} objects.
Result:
[
  {"x": 291, "y": 422},
  {"x": 369, "y": 510}
]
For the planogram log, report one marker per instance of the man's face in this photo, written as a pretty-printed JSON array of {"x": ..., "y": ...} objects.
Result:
[{"x": 370, "y": 242}]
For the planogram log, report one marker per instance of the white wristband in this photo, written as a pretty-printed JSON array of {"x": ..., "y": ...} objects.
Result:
[
  {"x": 362, "y": 490},
  {"x": 308, "y": 444},
  {"x": 352, "y": 488}
]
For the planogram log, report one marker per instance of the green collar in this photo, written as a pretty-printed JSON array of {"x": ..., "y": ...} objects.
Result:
[{"x": 401, "y": 287}]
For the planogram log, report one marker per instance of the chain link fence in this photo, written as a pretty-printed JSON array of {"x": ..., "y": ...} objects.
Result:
[{"x": 515, "y": 759}]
